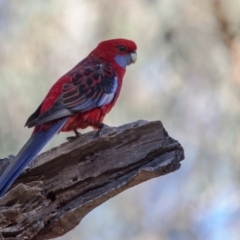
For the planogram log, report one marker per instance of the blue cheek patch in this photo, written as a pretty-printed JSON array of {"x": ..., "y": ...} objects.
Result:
[{"x": 123, "y": 61}]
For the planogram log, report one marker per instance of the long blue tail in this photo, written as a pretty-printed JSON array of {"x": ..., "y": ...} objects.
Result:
[{"x": 27, "y": 154}]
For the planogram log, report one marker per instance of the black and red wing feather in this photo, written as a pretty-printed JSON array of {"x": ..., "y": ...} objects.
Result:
[{"x": 93, "y": 84}]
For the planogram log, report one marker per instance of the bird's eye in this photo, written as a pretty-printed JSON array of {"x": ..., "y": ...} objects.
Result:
[{"x": 121, "y": 48}]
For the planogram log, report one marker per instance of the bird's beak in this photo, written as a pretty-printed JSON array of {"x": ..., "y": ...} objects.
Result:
[{"x": 133, "y": 56}]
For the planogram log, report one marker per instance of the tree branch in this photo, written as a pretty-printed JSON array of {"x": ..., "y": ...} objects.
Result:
[{"x": 69, "y": 181}]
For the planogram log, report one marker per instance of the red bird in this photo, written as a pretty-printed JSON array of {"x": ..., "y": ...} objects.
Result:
[{"x": 79, "y": 99}]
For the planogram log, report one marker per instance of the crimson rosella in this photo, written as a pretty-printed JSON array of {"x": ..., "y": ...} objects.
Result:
[{"x": 80, "y": 98}]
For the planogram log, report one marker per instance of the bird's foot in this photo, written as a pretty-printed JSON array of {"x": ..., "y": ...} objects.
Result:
[
  {"x": 100, "y": 130},
  {"x": 77, "y": 135}
]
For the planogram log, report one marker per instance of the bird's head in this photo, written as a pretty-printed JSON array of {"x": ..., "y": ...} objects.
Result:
[{"x": 122, "y": 51}]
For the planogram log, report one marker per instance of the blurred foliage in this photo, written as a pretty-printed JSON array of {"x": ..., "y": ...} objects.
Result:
[{"x": 187, "y": 75}]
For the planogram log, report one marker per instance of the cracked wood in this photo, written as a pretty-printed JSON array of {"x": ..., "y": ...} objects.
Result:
[{"x": 64, "y": 184}]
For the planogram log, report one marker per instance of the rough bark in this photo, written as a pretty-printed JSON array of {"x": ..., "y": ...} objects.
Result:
[{"x": 69, "y": 181}]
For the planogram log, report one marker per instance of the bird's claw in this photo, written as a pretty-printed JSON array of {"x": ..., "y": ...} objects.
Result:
[
  {"x": 99, "y": 132},
  {"x": 73, "y": 138}
]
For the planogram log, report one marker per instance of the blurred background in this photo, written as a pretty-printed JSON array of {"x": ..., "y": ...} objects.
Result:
[{"x": 187, "y": 75}]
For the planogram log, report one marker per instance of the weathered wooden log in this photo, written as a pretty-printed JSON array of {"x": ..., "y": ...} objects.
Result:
[{"x": 64, "y": 184}]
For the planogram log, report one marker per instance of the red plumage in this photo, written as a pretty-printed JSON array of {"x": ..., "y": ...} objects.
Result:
[{"x": 104, "y": 55}]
